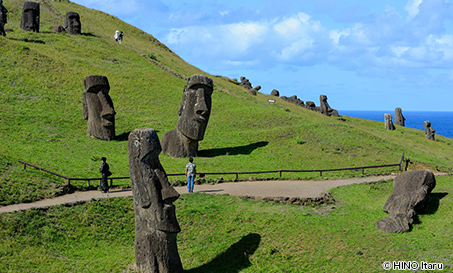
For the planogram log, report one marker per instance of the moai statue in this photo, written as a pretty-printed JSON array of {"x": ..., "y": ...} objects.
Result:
[
  {"x": 246, "y": 83},
  {"x": 410, "y": 194},
  {"x": 30, "y": 16},
  {"x": 275, "y": 93},
  {"x": 72, "y": 23},
  {"x": 98, "y": 107},
  {"x": 399, "y": 118},
  {"x": 156, "y": 226},
  {"x": 310, "y": 105},
  {"x": 429, "y": 131},
  {"x": 388, "y": 122},
  {"x": 193, "y": 113},
  {"x": 3, "y": 18},
  {"x": 325, "y": 107}
]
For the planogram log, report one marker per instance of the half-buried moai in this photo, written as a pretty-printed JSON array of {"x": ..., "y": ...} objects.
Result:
[
  {"x": 30, "y": 16},
  {"x": 156, "y": 226},
  {"x": 98, "y": 107},
  {"x": 388, "y": 122},
  {"x": 399, "y": 118},
  {"x": 410, "y": 195},
  {"x": 72, "y": 23},
  {"x": 325, "y": 107},
  {"x": 429, "y": 131},
  {"x": 193, "y": 113}
]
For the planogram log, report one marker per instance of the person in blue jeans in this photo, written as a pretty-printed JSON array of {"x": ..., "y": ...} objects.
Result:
[{"x": 191, "y": 171}]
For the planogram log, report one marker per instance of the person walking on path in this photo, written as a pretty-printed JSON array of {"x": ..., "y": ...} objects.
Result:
[
  {"x": 191, "y": 171},
  {"x": 105, "y": 170}
]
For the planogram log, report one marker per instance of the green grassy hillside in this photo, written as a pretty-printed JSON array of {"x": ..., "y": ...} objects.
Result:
[{"x": 41, "y": 120}]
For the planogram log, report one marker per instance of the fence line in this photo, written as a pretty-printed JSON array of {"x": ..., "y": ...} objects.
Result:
[{"x": 69, "y": 179}]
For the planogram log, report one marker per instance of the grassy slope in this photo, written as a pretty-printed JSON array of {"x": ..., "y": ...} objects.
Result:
[
  {"x": 225, "y": 234},
  {"x": 41, "y": 117}
]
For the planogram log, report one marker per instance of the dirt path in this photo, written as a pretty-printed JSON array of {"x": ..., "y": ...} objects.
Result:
[{"x": 301, "y": 189}]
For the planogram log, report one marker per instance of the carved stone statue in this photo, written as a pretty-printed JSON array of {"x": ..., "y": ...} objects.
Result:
[
  {"x": 30, "y": 16},
  {"x": 429, "y": 131},
  {"x": 156, "y": 226},
  {"x": 399, "y": 118},
  {"x": 193, "y": 115},
  {"x": 310, "y": 105},
  {"x": 275, "y": 93},
  {"x": 410, "y": 194},
  {"x": 98, "y": 107},
  {"x": 247, "y": 85},
  {"x": 72, "y": 23},
  {"x": 388, "y": 122},
  {"x": 3, "y": 18},
  {"x": 325, "y": 107}
]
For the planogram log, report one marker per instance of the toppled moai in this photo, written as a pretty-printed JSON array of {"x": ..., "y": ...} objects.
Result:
[
  {"x": 388, "y": 122},
  {"x": 275, "y": 93},
  {"x": 194, "y": 113},
  {"x": 399, "y": 118},
  {"x": 156, "y": 225},
  {"x": 98, "y": 108},
  {"x": 30, "y": 16},
  {"x": 72, "y": 23},
  {"x": 410, "y": 196},
  {"x": 247, "y": 85},
  {"x": 293, "y": 99},
  {"x": 429, "y": 131}
]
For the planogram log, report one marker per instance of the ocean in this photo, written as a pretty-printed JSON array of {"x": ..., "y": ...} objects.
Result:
[{"x": 442, "y": 122}]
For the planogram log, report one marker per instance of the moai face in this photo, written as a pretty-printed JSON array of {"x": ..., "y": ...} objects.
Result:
[
  {"x": 98, "y": 107},
  {"x": 72, "y": 23},
  {"x": 195, "y": 107},
  {"x": 30, "y": 16},
  {"x": 429, "y": 131}
]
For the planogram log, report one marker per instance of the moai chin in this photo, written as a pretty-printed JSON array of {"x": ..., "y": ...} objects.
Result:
[
  {"x": 30, "y": 16},
  {"x": 399, "y": 118},
  {"x": 98, "y": 108},
  {"x": 72, "y": 23},
  {"x": 193, "y": 113},
  {"x": 429, "y": 131},
  {"x": 156, "y": 226},
  {"x": 388, "y": 122}
]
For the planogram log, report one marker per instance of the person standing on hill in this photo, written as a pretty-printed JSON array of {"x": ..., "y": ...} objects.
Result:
[
  {"x": 191, "y": 171},
  {"x": 120, "y": 37},
  {"x": 105, "y": 170},
  {"x": 3, "y": 19}
]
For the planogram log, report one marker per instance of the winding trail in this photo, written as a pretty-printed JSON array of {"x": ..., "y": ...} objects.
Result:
[{"x": 290, "y": 188}]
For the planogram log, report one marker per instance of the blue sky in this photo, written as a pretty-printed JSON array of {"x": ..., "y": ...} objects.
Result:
[{"x": 364, "y": 55}]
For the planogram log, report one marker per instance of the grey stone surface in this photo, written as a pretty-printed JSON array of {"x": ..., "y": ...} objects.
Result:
[
  {"x": 410, "y": 194},
  {"x": 30, "y": 16},
  {"x": 275, "y": 93},
  {"x": 388, "y": 122},
  {"x": 325, "y": 107},
  {"x": 310, "y": 105},
  {"x": 429, "y": 131},
  {"x": 194, "y": 113},
  {"x": 246, "y": 83},
  {"x": 399, "y": 118},
  {"x": 156, "y": 226},
  {"x": 293, "y": 99},
  {"x": 3, "y": 18},
  {"x": 98, "y": 107},
  {"x": 72, "y": 23}
]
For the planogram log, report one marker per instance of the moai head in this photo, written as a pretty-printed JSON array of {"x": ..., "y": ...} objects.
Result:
[
  {"x": 195, "y": 107},
  {"x": 156, "y": 225},
  {"x": 98, "y": 107},
  {"x": 399, "y": 118},
  {"x": 30, "y": 16},
  {"x": 72, "y": 23},
  {"x": 324, "y": 106},
  {"x": 429, "y": 131},
  {"x": 388, "y": 122}
]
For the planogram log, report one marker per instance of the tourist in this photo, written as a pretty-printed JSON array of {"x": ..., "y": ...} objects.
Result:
[
  {"x": 191, "y": 171},
  {"x": 105, "y": 170}
]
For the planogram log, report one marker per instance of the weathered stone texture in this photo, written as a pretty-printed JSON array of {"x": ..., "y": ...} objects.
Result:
[
  {"x": 98, "y": 107},
  {"x": 410, "y": 194},
  {"x": 325, "y": 107},
  {"x": 275, "y": 93},
  {"x": 429, "y": 131},
  {"x": 72, "y": 23},
  {"x": 399, "y": 118},
  {"x": 30, "y": 16},
  {"x": 388, "y": 122},
  {"x": 156, "y": 226},
  {"x": 194, "y": 113}
]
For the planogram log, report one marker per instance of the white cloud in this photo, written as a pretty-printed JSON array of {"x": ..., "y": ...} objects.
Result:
[{"x": 412, "y": 8}]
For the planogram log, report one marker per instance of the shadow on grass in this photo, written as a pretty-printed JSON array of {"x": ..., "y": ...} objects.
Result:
[
  {"x": 433, "y": 202},
  {"x": 240, "y": 150},
  {"x": 234, "y": 259},
  {"x": 29, "y": 40}
]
